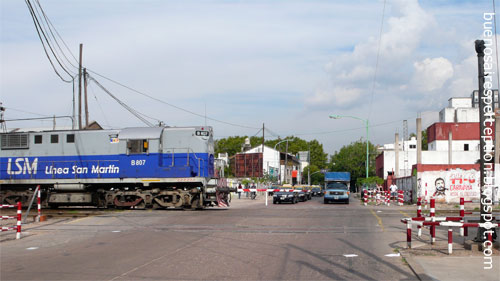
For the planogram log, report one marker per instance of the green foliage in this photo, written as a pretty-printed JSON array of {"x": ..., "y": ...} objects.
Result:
[
  {"x": 352, "y": 158},
  {"x": 246, "y": 182},
  {"x": 317, "y": 178},
  {"x": 425, "y": 145},
  {"x": 232, "y": 145},
  {"x": 424, "y": 139},
  {"x": 370, "y": 181}
]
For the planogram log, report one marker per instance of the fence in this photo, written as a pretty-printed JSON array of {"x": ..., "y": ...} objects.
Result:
[
  {"x": 18, "y": 217},
  {"x": 432, "y": 221}
]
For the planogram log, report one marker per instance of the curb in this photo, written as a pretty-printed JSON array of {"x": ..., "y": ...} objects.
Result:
[{"x": 417, "y": 269}]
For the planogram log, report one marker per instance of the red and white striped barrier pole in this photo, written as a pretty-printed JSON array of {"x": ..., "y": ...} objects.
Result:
[
  {"x": 39, "y": 205},
  {"x": 462, "y": 215},
  {"x": 408, "y": 234},
  {"x": 450, "y": 240},
  {"x": 425, "y": 199},
  {"x": 18, "y": 217},
  {"x": 419, "y": 214},
  {"x": 365, "y": 196},
  {"x": 433, "y": 216},
  {"x": 400, "y": 197}
]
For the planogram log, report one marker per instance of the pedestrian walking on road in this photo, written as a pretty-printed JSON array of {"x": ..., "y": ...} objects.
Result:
[
  {"x": 254, "y": 191},
  {"x": 240, "y": 189}
]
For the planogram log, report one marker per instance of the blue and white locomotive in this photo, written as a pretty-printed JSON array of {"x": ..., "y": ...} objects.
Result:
[{"x": 158, "y": 167}]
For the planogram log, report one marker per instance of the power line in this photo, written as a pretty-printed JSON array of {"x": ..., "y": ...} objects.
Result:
[
  {"x": 128, "y": 108},
  {"x": 50, "y": 27},
  {"x": 23, "y": 111},
  {"x": 39, "y": 29},
  {"x": 169, "y": 104},
  {"x": 376, "y": 63}
]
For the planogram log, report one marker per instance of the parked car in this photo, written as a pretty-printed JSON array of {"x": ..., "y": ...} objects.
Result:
[
  {"x": 316, "y": 191},
  {"x": 285, "y": 195},
  {"x": 304, "y": 193},
  {"x": 336, "y": 191}
]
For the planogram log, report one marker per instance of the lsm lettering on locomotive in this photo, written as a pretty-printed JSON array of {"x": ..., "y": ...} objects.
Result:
[{"x": 143, "y": 167}]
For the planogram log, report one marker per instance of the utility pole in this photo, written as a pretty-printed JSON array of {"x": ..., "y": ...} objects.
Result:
[
  {"x": 85, "y": 96},
  {"x": 309, "y": 161},
  {"x": 419, "y": 140},
  {"x": 80, "y": 89},
  {"x": 263, "y": 150},
  {"x": 286, "y": 162},
  {"x": 396, "y": 155}
]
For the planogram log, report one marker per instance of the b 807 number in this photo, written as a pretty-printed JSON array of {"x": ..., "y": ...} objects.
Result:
[{"x": 138, "y": 162}]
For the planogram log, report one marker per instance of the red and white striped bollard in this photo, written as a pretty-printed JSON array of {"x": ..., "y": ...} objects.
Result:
[
  {"x": 365, "y": 196},
  {"x": 408, "y": 233},
  {"x": 419, "y": 214},
  {"x": 19, "y": 218},
  {"x": 433, "y": 216},
  {"x": 450, "y": 240}
]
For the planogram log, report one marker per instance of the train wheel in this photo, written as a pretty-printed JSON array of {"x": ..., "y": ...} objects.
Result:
[
  {"x": 195, "y": 204},
  {"x": 140, "y": 206}
]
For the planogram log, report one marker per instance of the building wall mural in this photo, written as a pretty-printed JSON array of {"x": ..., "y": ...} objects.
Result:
[{"x": 449, "y": 185}]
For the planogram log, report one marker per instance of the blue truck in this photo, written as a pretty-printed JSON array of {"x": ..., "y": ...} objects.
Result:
[{"x": 337, "y": 187}]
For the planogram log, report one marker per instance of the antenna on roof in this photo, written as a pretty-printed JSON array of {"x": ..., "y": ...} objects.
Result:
[{"x": 2, "y": 120}]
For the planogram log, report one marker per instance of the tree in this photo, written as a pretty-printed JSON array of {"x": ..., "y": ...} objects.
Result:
[
  {"x": 424, "y": 139},
  {"x": 370, "y": 181},
  {"x": 232, "y": 145},
  {"x": 352, "y": 158},
  {"x": 317, "y": 178}
]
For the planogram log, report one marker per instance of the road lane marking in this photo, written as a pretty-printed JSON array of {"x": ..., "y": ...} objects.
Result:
[
  {"x": 31, "y": 248},
  {"x": 405, "y": 214},
  {"x": 378, "y": 219},
  {"x": 350, "y": 255},
  {"x": 393, "y": 255}
]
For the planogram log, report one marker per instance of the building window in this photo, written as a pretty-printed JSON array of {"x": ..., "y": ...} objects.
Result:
[
  {"x": 38, "y": 138},
  {"x": 70, "y": 138},
  {"x": 14, "y": 141},
  {"x": 137, "y": 146},
  {"x": 413, "y": 146},
  {"x": 54, "y": 138},
  {"x": 466, "y": 147}
]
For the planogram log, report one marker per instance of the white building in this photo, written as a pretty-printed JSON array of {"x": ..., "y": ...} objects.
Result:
[{"x": 458, "y": 126}]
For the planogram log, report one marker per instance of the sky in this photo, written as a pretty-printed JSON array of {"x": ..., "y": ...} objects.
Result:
[{"x": 287, "y": 64}]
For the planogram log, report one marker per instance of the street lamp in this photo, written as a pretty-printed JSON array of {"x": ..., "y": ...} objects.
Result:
[
  {"x": 286, "y": 156},
  {"x": 366, "y": 123}
]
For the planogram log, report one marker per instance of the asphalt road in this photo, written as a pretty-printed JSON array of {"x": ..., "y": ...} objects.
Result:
[{"x": 248, "y": 241}]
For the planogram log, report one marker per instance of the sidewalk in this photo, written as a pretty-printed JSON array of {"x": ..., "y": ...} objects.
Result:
[{"x": 453, "y": 268}]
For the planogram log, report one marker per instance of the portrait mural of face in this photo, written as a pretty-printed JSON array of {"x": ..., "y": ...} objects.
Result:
[{"x": 440, "y": 187}]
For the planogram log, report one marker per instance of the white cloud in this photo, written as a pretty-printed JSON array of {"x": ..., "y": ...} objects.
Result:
[
  {"x": 342, "y": 97},
  {"x": 431, "y": 74},
  {"x": 352, "y": 74}
]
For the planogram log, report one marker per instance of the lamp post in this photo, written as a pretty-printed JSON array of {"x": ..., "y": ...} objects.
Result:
[
  {"x": 366, "y": 124},
  {"x": 309, "y": 161},
  {"x": 286, "y": 160}
]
